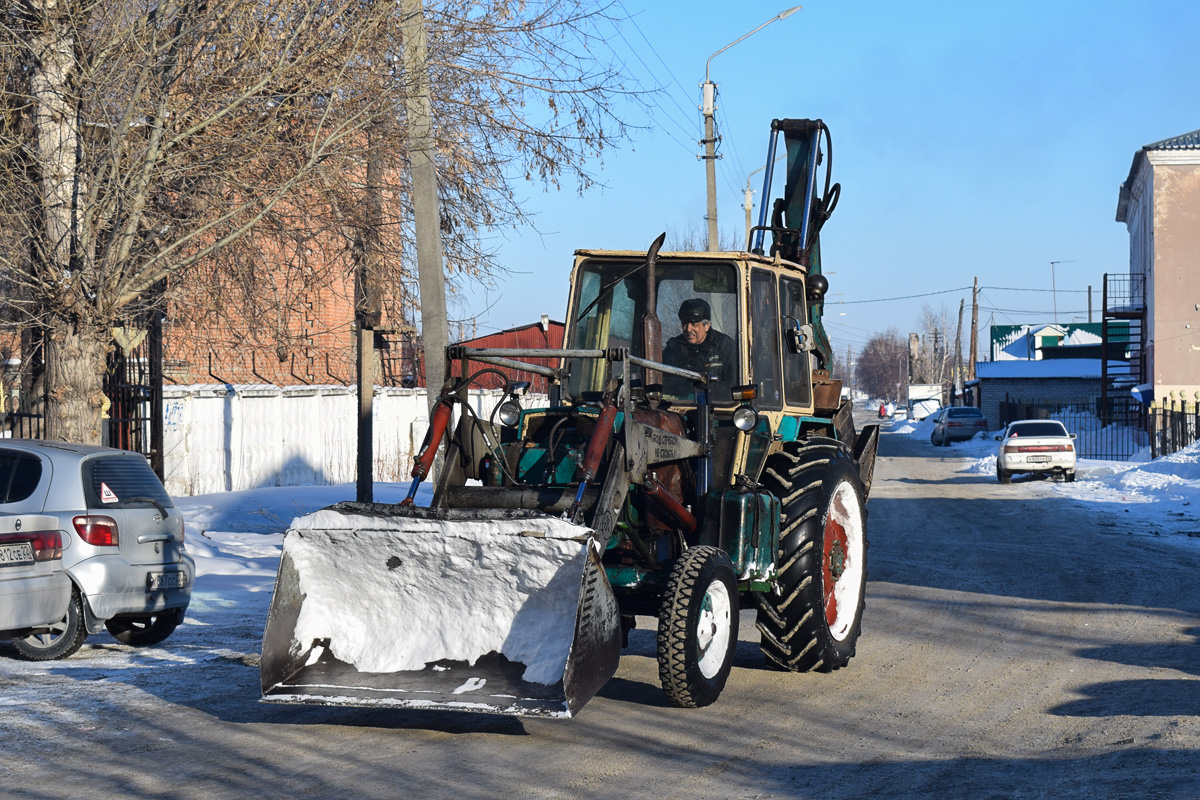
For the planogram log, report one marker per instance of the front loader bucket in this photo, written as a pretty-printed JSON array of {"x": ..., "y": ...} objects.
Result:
[{"x": 494, "y": 611}]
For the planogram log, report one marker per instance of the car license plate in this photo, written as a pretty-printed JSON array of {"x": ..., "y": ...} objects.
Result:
[
  {"x": 1034, "y": 459},
  {"x": 16, "y": 554},
  {"x": 165, "y": 580}
]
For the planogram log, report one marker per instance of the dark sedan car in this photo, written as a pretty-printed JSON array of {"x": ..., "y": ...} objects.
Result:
[{"x": 956, "y": 424}]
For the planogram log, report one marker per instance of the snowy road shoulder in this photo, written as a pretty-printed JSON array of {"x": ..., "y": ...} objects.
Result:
[{"x": 1162, "y": 495}]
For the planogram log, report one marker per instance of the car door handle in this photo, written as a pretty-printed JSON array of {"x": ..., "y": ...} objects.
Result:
[{"x": 156, "y": 537}]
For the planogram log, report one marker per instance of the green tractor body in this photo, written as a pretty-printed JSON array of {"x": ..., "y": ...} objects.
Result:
[{"x": 663, "y": 477}]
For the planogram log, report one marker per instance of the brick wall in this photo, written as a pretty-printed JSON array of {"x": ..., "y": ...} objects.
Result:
[{"x": 1078, "y": 391}]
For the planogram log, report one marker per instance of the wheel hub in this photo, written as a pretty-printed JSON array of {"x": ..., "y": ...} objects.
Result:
[
  {"x": 834, "y": 566},
  {"x": 714, "y": 627},
  {"x": 837, "y": 559}
]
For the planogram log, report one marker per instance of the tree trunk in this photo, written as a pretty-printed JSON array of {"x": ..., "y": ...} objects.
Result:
[
  {"x": 74, "y": 383},
  {"x": 57, "y": 135}
]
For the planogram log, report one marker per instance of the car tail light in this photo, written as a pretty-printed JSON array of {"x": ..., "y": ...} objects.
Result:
[
  {"x": 97, "y": 530},
  {"x": 47, "y": 545},
  {"x": 1038, "y": 448},
  {"x": 953, "y": 424}
]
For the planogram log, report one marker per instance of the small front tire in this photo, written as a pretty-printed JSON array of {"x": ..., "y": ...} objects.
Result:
[
  {"x": 697, "y": 627},
  {"x": 63, "y": 638}
]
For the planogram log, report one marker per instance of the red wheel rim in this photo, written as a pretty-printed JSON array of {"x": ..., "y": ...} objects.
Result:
[{"x": 833, "y": 565}]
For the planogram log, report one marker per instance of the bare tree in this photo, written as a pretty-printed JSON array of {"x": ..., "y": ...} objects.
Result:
[
  {"x": 881, "y": 369},
  {"x": 936, "y": 353},
  {"x": 694, "y": 239},
  {"x": 225, "y": 146}
]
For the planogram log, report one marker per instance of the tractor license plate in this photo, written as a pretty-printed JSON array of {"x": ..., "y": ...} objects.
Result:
[
  {"x": 1035, "y": 459},
  {"x": 165, "y": 580},
  {"x": 16, "y": 555}
]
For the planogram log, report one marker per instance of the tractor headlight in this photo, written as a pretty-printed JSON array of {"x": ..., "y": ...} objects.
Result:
[
  {"x": 745, "y": 418},
  {"x": 509, "y": 413}
]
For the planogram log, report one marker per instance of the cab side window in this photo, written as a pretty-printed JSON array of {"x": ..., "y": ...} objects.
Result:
[
  {"x": 764, "y": 358},
  {"x": 797, "y": 372}
]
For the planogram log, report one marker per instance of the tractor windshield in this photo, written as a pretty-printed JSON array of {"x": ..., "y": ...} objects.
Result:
[{"x": 610, "y": 305}]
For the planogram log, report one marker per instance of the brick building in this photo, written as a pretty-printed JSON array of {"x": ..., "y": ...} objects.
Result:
[
  {"x": 1159, "y": 203},
  {"x": 1053, "y": 381}
]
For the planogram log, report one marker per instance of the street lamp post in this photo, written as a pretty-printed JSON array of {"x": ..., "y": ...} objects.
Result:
[
  {"x": 1054, "y": 289},
  {"x": 709, "y": 107},
  {"x": 749, "y": 204}
]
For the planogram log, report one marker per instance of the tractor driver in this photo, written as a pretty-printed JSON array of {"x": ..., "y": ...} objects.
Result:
[{"x": 699, "y": 348}]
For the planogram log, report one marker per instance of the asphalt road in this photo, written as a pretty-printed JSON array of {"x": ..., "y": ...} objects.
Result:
[{"x": 1016, "y": 645}]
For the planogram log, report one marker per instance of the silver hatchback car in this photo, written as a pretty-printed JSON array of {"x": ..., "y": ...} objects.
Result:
[
  {"x": 122, "y": 540},
  {"x": 34, "y": 590}
]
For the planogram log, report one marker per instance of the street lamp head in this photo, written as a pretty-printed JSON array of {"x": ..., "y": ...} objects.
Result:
[{"x": 777, "y": 17}]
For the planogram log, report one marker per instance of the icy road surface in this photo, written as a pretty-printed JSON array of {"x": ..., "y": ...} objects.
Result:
[{"x": 1032, "y": 640}]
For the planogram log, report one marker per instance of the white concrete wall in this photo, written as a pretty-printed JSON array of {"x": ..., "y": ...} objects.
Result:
[{"x": 220, "y": 438}]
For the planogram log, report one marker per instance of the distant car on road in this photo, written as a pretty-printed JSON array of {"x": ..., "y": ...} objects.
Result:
[
  {"x": 956, "y": 424},
  {"x": 122, "y": 541},
  {"x": 34, "y": 589},
  {"x": 1038, "y": 446}
]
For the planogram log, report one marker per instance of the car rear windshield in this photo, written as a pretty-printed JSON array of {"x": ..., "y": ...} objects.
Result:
[
  {"x": 1038, "y": 429},
  {"x": 122, "y": 482},
  {"x": 19, "y": 476},
  {"x": 965, "y": 412}
]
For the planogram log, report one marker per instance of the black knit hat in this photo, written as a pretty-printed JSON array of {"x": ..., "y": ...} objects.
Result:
[{"x": 694, "y": 310}]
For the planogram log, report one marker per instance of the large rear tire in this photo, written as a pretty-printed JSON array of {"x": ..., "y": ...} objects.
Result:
[
  {"x": 697, "y": 627},
  {"x": 812, "y": 618}
]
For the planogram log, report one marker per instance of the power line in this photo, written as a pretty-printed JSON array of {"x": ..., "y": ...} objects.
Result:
[
  {"x": 888, "y": 299},
  {"x": 670, "y": 96},
  {"x": 1008, "y": 289},
  {"x": 661, "y": 88},
  {"x": 1028, "y": 311},
  {"x": 951, "y": 291}
]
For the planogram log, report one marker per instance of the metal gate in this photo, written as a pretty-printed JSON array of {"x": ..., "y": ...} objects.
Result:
[
  {"x": 132, "y": 383},
  {"x": 133, "y": 386},
  {"x": 1109, "y": 428}
]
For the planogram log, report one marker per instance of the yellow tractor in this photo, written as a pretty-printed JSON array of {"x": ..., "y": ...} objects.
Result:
[{"x": 682, "y": 479}]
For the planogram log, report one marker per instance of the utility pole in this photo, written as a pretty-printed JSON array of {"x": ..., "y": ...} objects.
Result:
[
  {"x": 709, "y": 107},
  {"x": 914, "y": 359},
  {"x": 368, "y": 312},
  {"x": 1053, "y": 288},
  {"x": 958, "y": 378},
  {"x": 427, "y": 218},
  {"x": 849, "y": 375},
  {"x": 974, "y": 330},
  {"x": 749, "y": 207}
]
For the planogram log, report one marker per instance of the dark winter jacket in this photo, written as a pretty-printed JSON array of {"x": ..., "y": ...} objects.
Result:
[{"x": 717, "y": 348}]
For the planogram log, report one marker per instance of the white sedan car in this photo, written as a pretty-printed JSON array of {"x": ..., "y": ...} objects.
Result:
[{"x": 1041, "y": 445}]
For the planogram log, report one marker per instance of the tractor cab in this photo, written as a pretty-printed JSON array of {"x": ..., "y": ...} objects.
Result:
[{"x": 754, "y": 347}]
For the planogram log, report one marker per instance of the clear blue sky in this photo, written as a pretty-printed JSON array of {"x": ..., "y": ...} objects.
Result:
[{"x": 970, "y": 138}]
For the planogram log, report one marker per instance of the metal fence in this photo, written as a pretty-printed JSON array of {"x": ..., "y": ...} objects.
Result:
[
  {"x": 1172, "y": 429},
  {"x": 132, "y": 383},
  {"x": 1115, "y": 429}
]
